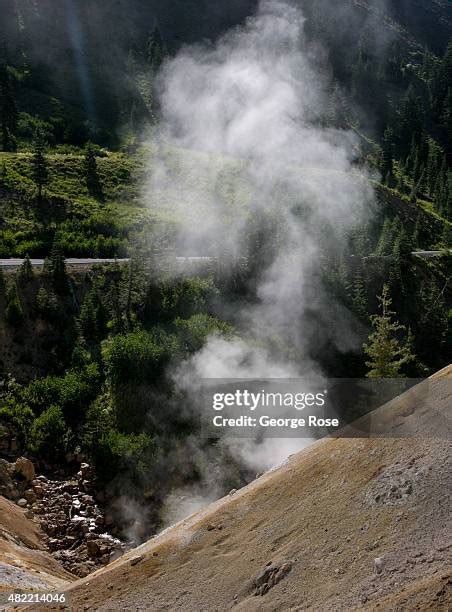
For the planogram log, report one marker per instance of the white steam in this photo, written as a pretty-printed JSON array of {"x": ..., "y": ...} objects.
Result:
[{"x": 243, "y": 137}]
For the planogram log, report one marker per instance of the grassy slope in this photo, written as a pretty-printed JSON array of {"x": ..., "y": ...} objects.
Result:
[
  {"x": 102, "y": 227},
  {"x": 68, "y": 207}
]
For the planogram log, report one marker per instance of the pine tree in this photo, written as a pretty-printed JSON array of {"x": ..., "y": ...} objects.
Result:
[
  {"x": 415, "y": 235},
  {"x": 91, "y": 174},
  {"x": 446, "y": 236},
  {"x": 410, "y": 159},
  {"x": 428, "y": 65},
  {"x": 385, "y": 242},
  {"x": 47, "y": 267},
  {"x": 433, "y": 322},
  {"x": 156, "y": 50},
  {"x": 115, "y": 299},
  {"x": 395, "y": 58},
  {"x": 14, "y": 313},
  {"x": 442, "y": 82},
  {"x": 387, "y": 149},
  {"x": 359, "y": 295},
  {"x": 387, "y": 355},
  {"x": 433, "y": 163},
  {"x": 410, "y": 120},
  {"x": 39, "y": 162},
  {"x": 442, "y": 191},
  {"x": 92, "y": 319},
  {"x": 26, "y": 270},
  {"x": 58, "y": 271},
  {"x": 8, "y": 110}
]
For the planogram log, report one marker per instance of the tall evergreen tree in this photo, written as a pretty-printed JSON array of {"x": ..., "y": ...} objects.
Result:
[
  {"x": 359, "y": 295},
  {"x": 385, "y": 241},
  {"x": 14, "y": 313},
  {"x": 433, "y": 322},
  {"x": 442, "y": 82},
  {"x": 156, "y": 49},
  {"x": 58, "y": 271},
  {"x": 387, "y": 355},
  {"x": 26, "y": 270},
  {"x": 410, "y": 117},
  {"x": 388, "y": 148},
  {"x": 91, "y": 174},
  {"x": 442, "y": 191}
]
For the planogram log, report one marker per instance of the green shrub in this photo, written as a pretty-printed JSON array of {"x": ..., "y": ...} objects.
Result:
[
  {"x": 138, "y": 357},
  {"x": 72, "y": 392},
  {"x": 19, "y": 416},
  {"x": 193, "y": 332},
  {"x": 183, "y": 298},
  {"x": 116, "y": 452},
  {"x": 47, "y": 436}
]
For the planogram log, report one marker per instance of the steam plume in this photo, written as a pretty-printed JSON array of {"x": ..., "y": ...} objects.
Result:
[{"x": 244, "y": 138}]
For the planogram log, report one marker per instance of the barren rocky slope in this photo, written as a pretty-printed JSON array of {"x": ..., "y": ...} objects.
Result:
[
  {"x": 347, "y": 524},
  {"x": 25, "y": 565}
]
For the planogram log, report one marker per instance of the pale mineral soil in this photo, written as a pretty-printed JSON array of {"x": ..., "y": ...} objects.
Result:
[
  {"x": 347, "y": 524},
  {"x": 25, "y": 565}
]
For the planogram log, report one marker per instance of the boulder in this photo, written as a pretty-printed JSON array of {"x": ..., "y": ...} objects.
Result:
[
  {"x": 94, "y": 549},
  {"x": 25, "y": 468},
  {"x": 85, "y": 469},
  {"x": 38, "y": 490},
  {"x": 22, "y": 503},
  {"x": 30, "y": 496}
]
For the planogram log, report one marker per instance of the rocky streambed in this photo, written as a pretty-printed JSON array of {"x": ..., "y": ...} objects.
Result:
[{"x": 79, "y": 533}]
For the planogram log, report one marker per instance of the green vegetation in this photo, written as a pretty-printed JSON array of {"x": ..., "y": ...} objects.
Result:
[
  {"x": 87, "y": 358},
  {"x": 387, "y": 355},
  {"x": 109, "y": 394}
]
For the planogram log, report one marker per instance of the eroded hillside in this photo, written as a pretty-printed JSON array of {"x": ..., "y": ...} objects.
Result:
[{"x": 346, "y": 524}]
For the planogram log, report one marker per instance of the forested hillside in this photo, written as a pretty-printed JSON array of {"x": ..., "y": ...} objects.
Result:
[{"x": 87, "y": 356}]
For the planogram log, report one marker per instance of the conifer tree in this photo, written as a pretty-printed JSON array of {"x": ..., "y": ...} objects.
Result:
[
  {"x": 442, "y": 191},
  {"x": 115, "y": 299},
  {"x": 92, "y": 318},
  {"x": 91, "y": 173},
  {"x": 442, "y": 82},
  {"x": 26, "y": 270},
  {"x": 410, "y": 119},
  {"x": 387, "y": 355},
  {"x": 446, "y": 236},
  {"x": 387, "y": 152},
  {"x": 433, "y": 322},
  {"x": 14, "y": 313},
  {"x": 359, "y": 295},
  {"x": 385, "y": 241},
  {"x": 58, "y": 271},
  {"x": 156, "y": 49}
]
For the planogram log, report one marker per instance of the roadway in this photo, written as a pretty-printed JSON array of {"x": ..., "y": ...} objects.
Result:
[{"x": 11, "y": 263}]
